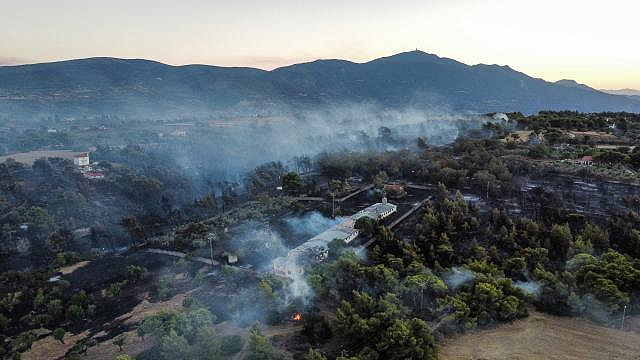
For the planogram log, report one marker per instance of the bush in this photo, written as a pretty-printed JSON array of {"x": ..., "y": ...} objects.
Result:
[
  {"x": 75, "y": 313},
  {"x": 135, "y": 273},
  {"x": 316, "y": 327},
  {"x": 231, "y": 344}
]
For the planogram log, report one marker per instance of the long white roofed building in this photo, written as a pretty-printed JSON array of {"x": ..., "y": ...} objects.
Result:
[{"x": 317, "y": 248}]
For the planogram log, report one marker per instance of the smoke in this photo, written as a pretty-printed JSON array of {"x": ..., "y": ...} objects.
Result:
[
  {"x": 532, "y": 287},
  {"x": 257, "y": 243},
  {"x": 311, "y": 223},
  {"x": 298, "y": 287},
  {"x": 262, "y": 244},
  {"x": 224, "y": 148},
  {"x": 588, "y": 306},
  {"x": 457, "y": 276}
]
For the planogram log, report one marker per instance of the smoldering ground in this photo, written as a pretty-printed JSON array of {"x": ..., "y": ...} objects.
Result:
[{"x": 259, "y": 243}]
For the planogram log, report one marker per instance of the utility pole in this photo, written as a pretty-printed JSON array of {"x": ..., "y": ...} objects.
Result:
[
  {"x": 333, "y": 205},
  {"x": 487, "y": 190},
  {"x": 210, "y": 237}
]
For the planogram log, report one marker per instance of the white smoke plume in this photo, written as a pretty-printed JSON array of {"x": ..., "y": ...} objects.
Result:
[{"x": 457, "y": 276}]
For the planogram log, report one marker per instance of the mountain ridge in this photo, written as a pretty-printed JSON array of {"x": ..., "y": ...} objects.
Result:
[{"x": 140, "y": 87}]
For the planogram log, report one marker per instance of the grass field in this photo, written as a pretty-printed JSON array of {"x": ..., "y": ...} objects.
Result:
[{"x": 542, "y": 336}]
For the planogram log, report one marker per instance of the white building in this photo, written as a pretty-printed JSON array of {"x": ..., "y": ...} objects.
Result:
[
  {"x": 317, "y": 248},
  {"x": 81, "y": 159},
  {"x": 179, "y": 133},
  {"x": 500, "y": 116}
]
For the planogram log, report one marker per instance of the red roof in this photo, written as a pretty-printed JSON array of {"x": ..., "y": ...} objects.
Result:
[
  {"x": 81, "y": 155},
  {"x": 587, "y": 158}
]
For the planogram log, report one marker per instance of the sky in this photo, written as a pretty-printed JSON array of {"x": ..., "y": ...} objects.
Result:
[{"x": 592, "y": 42}]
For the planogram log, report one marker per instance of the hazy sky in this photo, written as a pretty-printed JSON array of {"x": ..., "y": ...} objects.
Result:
[{"x": 593, "y": 42}]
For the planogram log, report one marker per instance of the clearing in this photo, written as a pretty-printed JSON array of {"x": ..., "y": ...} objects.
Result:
[{"x": 542, "y": 336}]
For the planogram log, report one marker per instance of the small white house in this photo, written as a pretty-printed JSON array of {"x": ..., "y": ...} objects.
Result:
[
  {"x": 81, "y": 159},
  {"x": 500, "y": 116}
]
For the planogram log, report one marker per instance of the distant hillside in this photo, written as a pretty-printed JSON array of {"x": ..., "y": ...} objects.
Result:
[
  {"x": 630, "y": 93},
  {"x": 626, "y": 92},
  {"x": 573, "y": 84},
  {"x": 151, "y": 89}
]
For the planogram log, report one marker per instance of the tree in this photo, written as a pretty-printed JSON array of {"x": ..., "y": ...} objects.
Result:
[
  {"x": 231, "y": 344},
  {"x": 560, "y": 240},
  {"x": 292, "y": 183},
  {"x": 415, "y": 286},
  {"x": 407, "y": 339},
  {"x": 124, "y": 357},
  {"x": 175, "y": 347},
  {"x": 259, "y": 346},
  {"x": 61, "y": 240},
  {"x": 336, "y": 247},
  {"x": 135, "y": 273},
  {"x": 229, "y": 196},
  {"x": 315, "y": 327},
  {"x": 75, "y": 313},
  {"x": 54, "y": 308},
  {"x": 379, "y": 329},
  {"x": 4, "y": 323},
  {"x": 366, "y": 225},
  {"x": 23, "y": 341},
  {"x": 315, "y": 355},
  {"x": 515, "y": 267},
  {"x": 603, "y": 284},
  {"x": 539, "y": 151},
  {"x": 380, "y": 179},
  {"x": 135, "y": 231},
  {"x": 595, "y": 236},
  {"x": 119, "y": 341},
  {"x": 116, "y": 288},
  {"x": 58, "y": 334},
  {"x": 207, "y": 344},
  {"x": 265, "y": 178}
]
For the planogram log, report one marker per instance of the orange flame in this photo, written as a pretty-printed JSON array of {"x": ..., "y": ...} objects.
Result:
[{"x": 297, "y": 317}]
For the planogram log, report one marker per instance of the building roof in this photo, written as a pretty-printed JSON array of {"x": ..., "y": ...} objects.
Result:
[
  {"x": 342, "y": 230},
  {"x": 374, "y": 211},
  {"x": 317, "y": 246}
]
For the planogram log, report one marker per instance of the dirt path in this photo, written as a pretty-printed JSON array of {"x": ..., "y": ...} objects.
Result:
[
  {"x": 71, "y": 268},
  {"x": 183, "y": 255},
  {"x": 542, "y": 336}
]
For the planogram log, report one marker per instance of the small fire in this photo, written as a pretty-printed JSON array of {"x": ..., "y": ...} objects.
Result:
[{"x": 297, "y": 317}]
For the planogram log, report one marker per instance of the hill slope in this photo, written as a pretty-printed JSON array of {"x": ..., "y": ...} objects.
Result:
[
  {"x": 542, "y": 336},
  {"x": 142, "y": 87}
]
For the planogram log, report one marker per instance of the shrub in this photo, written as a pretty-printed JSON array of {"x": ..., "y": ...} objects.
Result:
[{"x": 231, "y": 344}]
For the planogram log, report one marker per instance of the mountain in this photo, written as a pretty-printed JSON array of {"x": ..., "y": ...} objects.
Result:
[
  {"x": 625, "y": 92},
  {"x": 630, "y": 93},
  {"x": 573, "y": 84},
  {"x": 413, "y": 79}
]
